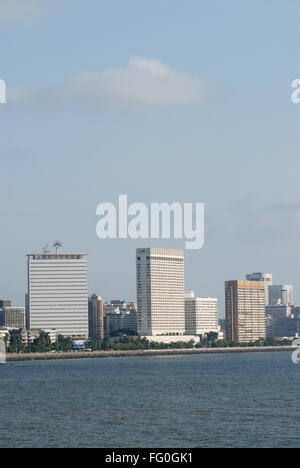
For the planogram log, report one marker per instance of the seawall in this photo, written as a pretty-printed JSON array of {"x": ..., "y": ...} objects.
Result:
[{"x": 145, "y": 353}]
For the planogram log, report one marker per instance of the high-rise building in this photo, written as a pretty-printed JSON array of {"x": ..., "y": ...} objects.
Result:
[
  {"x": 12, "y": 317},
  {"x": 281, "y": 294},
  {"x": 96, "y": 324},
  {"x": 58, "y": 293},
  {"x": 160, "y": 291},
  {"x": 282, "y": 321},
  {"x": 267, "y": 278},
  {"x": 201, "y": 315},
  {"x": 245, "y": 311}
]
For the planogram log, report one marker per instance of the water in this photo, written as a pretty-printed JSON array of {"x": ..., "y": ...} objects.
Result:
[{"x": 249, "y": 400}]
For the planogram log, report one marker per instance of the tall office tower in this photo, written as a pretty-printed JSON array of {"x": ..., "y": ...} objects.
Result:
[
  {"x": 267, "y": 278},
  {"x": 160, "y": 291},
  {"x": 96, "y": 324},
  {"x": 201, "y": 315},
  {"x": 245, "y": 303},
  {"x": 58, "y": 293},
  {"x": 281, "y": 294},
  {"x": 12, "y": 317}
]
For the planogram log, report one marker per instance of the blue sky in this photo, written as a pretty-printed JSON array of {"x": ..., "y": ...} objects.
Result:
[{"x": 70, "y": 140}]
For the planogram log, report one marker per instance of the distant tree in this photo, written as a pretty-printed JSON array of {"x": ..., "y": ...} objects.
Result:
[
  {"x": 16, "y": 344},
  {"x": 42, "y": 344},
  {"x": 63, "y": 343}
]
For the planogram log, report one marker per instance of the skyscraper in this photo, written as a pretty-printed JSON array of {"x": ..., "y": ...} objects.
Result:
[
  {"x": 245, "y": 311},
  {"x": 160, "y": 291},
  {"x": 58, "y": 293},
  {"x": 267, "y": 278},
  {"x": 281, "y": 294},
  {"x": 201, "y": 314},
  {"x": 96, "y": 324}
]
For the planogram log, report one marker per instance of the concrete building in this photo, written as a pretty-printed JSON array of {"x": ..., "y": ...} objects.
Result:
[
  {"x": 53, "y": 335},
  {"x": 160, "y": 291},
  {"x": 28, "y": 336},
  {"x": 281, "y": 294},
  {"x": 3, "y": 333},
  {"x": 201, "y": 315},
  {"x": 96, "y": 318},
  {"x": 4, "y": 304},
  {"x": 267, "y": 278},
  {"x": 167, "y": 339},
  {"x": 58, "y": 293},
  {"x": 118, "y": 320},
  {"x": 282, "y": 321},
  {"x": 245, "y": 311},
  {"x": 12, "y": 317},
  {"x": 121, "y": 305}
]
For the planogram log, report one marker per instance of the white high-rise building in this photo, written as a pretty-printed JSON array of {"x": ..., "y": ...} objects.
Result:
[
  {"x": 281, "y": 294},
  {"x": 58, "y": 293},
  {"x": 267, "y": 278},
  {"x": 201, "y": 315},
  {"x": 160, "y": 291}
]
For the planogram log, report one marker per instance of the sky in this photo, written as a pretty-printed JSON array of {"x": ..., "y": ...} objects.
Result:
[{"x": 165, "y": 101}]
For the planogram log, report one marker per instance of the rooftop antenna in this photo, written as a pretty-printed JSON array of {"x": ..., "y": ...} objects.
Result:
[{"x": 57, "y": 245}]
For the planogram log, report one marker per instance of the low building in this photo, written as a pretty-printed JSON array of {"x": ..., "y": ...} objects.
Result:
[
  {"x": 167, "y": 339},
  {"x": 28, "y": 336},
  {"x": 53, "y": 335},
  {"x": 201, "y": 315},
  {"x": 3, "y": 333}
]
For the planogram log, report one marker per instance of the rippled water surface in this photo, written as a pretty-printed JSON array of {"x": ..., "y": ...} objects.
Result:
[{"x": 249, "y": 400}]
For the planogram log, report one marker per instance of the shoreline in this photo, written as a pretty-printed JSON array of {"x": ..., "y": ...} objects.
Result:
[{"x": 141, "y": 353}]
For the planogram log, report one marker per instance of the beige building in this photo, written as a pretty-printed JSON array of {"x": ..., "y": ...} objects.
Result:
[
  {"x": 267, "y": 278},
  {"x": 245, "y": 311},
  {"x": 160, "y": 292}
]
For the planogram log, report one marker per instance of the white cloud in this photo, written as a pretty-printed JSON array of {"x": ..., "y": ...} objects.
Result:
[
  {"x": 12, "y": 11},
  {"x": 143, "y": 82}
]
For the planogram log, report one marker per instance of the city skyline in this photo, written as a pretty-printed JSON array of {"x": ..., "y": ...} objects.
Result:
[{"x": 283, "y": 293}]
